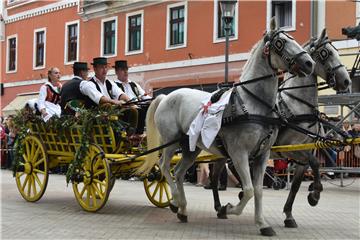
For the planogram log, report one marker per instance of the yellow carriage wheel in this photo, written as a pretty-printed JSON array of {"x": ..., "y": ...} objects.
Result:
[
  {"x": 157, "y": 189},
  {"x": 32, "y": 173},
  {"x": 92, "y": 187}
]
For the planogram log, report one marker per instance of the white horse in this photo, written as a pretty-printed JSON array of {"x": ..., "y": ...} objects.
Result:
[
  {"x": 170, "y": 116},
  {"x": 298, "y": 99}
]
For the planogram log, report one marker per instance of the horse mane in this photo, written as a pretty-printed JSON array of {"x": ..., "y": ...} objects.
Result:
[{"x": 253, "y": 49}]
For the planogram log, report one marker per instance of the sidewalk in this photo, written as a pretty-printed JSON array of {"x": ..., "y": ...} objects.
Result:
[{"x": 128, "y": 214}]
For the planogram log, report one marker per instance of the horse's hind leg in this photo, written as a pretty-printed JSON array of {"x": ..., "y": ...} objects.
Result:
[
  {"x": 165, "y": 165},
  {"x": 314, "y": 195},
  {"x": 295, "y": 185},
  {"x": 187, "y": 160},
  {"x": 259, "y": 167}
]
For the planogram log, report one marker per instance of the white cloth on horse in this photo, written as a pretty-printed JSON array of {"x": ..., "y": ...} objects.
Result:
[{"x": 208, "y": 121}]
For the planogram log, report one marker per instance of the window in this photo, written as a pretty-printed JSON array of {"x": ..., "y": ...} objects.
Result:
[
  {"x": 11, "y": 53},
  {"x": 134, "y": 33},
  {"x": 39, "y": 53},
  {"x": 219, "y": 31},
  {"x": 284, "y": 12},
  {"x": 109, "y": 37},
  {"x": 40, "y": 48},
  {"x": 72, "y": 42},
  {"x": 176, "y": 25}
]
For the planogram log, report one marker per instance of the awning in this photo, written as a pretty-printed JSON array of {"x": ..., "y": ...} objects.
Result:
[{"x": 18, "y": 103}]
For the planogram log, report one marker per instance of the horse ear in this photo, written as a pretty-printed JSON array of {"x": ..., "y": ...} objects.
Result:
[
  {"x": 272, "y": 24},
  {"x": 323, "y": 34}
]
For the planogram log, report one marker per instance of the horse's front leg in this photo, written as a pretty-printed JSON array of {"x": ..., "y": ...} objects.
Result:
[
  {"x": 217, "y": 168},
  {"x": 187, "y": 160},
  {"x": 316, "y": 188},
  {"x": 295, "y": 185},
  {"x": 259, "y": 167},
  {"x": 241, "y": 163}
]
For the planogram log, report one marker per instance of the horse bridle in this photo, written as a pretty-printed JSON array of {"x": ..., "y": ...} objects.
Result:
[
  {"x": 278, "y": 44},
  {"x": 321, "y": 55}
]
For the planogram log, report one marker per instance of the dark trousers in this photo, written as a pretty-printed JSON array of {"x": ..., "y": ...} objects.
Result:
[
  {"x": 141, "y": 119},
  {"x": 223, "y": 175}
]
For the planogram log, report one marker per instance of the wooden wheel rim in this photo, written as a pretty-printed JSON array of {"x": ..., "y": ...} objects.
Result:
[
  {"x": 32, "y": 182},
  {"x": 158, "y": 191},
  {"x": 93, "y": 192}
]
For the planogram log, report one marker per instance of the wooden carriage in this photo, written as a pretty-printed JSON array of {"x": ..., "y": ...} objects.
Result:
[{"x": 108, "y": 157}]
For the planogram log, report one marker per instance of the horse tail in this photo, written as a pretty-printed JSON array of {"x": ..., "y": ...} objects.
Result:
[{"x": 153, "y": 137}]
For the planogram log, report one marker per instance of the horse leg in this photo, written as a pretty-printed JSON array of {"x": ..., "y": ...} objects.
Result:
[
  {"x": 165, "y": 165},
  {"x": 185, "y": 163},
  {"x": 259, "y": 167},
  {"x": 217, "y": 168},
  {"x": 241, "y": 163},
  {"x": 295, "y": 185},
  {"x": 314, "y": 195}
]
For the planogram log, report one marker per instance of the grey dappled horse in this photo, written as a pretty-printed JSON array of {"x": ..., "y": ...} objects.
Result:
[
  {"x": 298, "y": 100},
  {"x": 304, "y": 101},
  {"x": 170, "y": 117}
]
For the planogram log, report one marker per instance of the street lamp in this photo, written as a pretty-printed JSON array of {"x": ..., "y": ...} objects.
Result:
[{"x": 227, "y": 12}]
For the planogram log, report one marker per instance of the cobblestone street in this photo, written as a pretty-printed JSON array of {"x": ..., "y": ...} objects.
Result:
[{"x": 128, "y": 214}]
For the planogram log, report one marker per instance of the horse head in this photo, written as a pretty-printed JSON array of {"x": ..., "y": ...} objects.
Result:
[
  {"x": 328, "y": 65},
  {"x": 284, "y": 53}
]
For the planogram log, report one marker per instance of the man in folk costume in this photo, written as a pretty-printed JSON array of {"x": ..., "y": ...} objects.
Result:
[
  {"x": 101, "y": 91},
  {"x": 133, "y": 91},
  {"x": 71, "y": 94},
  {"x": 49, "y": 95}
]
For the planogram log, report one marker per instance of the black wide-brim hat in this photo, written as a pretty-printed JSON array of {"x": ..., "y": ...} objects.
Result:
[
  {"x": 122, "y": 64},
  {"x": 80, "y": 66},
  {"x": 99, "y": 61}
]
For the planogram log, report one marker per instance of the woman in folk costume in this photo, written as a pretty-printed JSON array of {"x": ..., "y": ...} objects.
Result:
[{"x": 49, "y": 95}]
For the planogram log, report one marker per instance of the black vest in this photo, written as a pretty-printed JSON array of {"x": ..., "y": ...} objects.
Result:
[
  {"x": 108, "y": 86},
  {"x": 71, "y": 91},
  {"x": 133, "y": 86}
]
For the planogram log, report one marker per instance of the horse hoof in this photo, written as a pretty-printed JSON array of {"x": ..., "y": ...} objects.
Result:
[
  {"x": 241, "y": 195},
  {"x": 267, "y": 232},
  {"x": 312, "y": 200},
  {"x": 222, "y": 213},
  {"x": 290, "y": 223},
  {"x": 173, "y": 208},
  {"x": 182, "y": 218},
  {"x": 311, "y": 187}
]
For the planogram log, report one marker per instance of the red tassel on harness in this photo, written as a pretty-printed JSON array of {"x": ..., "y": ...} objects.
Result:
[{"x": 206, "y": 107}]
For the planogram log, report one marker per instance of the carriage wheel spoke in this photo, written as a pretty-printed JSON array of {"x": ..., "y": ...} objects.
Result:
[
  {"x": 25, "y": 157},
  {"x": 99, "y": 172},
  {"x": 161, "y": 193},
  {"x": 25, "y": 182},
  {"x": 38, "y": 162},
  {"x": 82, "y": 191},
  {"x": 29, "y": 185},
  {"x": 20, "y": 174},
  {"x": 98, "y": 191},
  {"x": 99, "y": 182},
  {"x": 38, "y": 171},
  {"x": 155, "y": 191},
  {"x": 150, "y": 185},
  {"x": 87, "y": 196},
  {"x": 37, "y": 180},
  {"x": 33, "y": 185},
  {"x": 36, "y": 153},
  {"x": 27, "y": 151},
  {"x": 92, "y": 192},
  {"x": 33, "y": 145}
]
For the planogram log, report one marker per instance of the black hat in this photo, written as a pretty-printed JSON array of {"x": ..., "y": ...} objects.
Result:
[
  {"x": 122, "y": 64},
  {"x": 80, "y": 66},
  {"x": 99, "y": 61}
]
